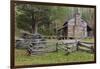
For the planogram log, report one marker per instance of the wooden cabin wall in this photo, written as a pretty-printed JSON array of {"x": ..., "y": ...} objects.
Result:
[{"x": 78, "y": 29}]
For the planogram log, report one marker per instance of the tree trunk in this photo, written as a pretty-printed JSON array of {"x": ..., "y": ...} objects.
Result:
[{"x": 34, "y": 24}]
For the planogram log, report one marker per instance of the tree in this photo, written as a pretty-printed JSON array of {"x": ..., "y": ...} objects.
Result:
[{"x": 46, "y": 19}]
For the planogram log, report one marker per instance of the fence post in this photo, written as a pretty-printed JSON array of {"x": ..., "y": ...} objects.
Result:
[
  {"x": 57, "y": 47},
  {"x": 77, "y": 45}
]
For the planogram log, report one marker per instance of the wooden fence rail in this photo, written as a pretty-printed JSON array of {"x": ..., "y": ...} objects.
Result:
[
  {"x": 86, "y": 46},
  {"x": 65, "y": 45},
  {"x": 75, "y": 45}
]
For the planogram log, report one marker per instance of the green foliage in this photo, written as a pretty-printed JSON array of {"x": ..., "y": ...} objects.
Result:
[{"x": 47, "y": 18}]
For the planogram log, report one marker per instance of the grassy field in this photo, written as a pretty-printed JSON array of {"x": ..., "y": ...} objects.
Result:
[
  {"x": 49, "y": 58},
  {"x": 88, "y": 40},
  {"x": 21, "y": 57}
]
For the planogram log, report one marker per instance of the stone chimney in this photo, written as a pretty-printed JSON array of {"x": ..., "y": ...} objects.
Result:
[{"x": 77, "y": 18}]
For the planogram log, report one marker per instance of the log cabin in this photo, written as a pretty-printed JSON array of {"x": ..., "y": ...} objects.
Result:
[{"x": 75, "y": 27}]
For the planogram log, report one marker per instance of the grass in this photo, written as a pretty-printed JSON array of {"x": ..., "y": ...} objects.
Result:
[
  {"x": 88, "y": 40},
  {"x": 50, "y": 58},
  {"x": 21, "y": 57}
]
